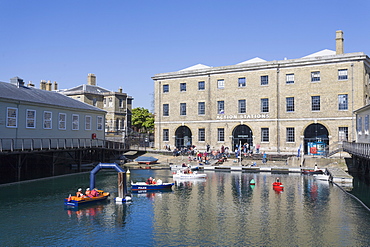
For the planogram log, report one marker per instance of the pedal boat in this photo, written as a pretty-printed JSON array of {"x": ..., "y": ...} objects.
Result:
[{"x": 74, "y": 201}]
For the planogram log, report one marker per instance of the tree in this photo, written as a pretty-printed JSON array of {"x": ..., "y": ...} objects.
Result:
[{"x": 142, "y": 120}]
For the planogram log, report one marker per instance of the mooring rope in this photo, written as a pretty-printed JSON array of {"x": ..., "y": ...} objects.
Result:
[{"x": 353, "y": 196}]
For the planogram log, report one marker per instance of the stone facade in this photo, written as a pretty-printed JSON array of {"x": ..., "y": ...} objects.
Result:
[
  {"x": 279, "y": 105},
  {"x": 118, "y": 105}
]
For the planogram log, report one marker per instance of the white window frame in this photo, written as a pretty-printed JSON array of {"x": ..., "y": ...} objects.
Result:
[
  {"x": 315, "y": 76},
  {"x": 183, "y": 87},
  {"x": 166, "y": 135},
  {"x": 221, "y": 84},
  {"x": 166, "y": 88},
  {"x": 342, "y": 74},
  {"x": 265, "y": 135},
  {"x": 30, "y": 119},
  {"x": 289, "y": 78},
  {"x": 182, "y": 109},
  {"x": 201, "y": 108},
  {"x": 47, "y": 117},
  {"x": 315, "y": 103},
  {"x": 75, "y": 122},
  {"x": 201, "y": 135},
  {"x": 264, "y": 80},
  {"x": 342, "y": 102},
  {"x": 265, "y": 105},
  {"x": 62, "y": 121},
  {"x": 88, "y": 122},
  {"x": 201, "y": 85},
  {"x": 220, "y": 134},
  {"x": 220, "y": 107},
  {"x": 110, "y": 102},
  {"x": 242, "y": 106},
  {"x": 11, "y": 117},
  {"x": 242, "y": 82},
  {"x": 166, "y": 110},
  {"x": 99, "y": 123},
  {"x": 289, "y": 104},
  {"x": 290, "y": 134}
]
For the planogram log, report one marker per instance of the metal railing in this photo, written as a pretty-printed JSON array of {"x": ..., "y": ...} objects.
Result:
[
  {"x": 358, "y": 149},
  {"x": 32, "y": 144},
  {"x": 334, "y": 148}
]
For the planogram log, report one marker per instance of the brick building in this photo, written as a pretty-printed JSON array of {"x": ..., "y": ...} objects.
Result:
[{"x": 278, "y": 105}]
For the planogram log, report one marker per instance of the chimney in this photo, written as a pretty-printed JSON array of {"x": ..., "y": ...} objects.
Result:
[
  {"x": 339, "y": 42},
  {"x": 48, "y": 86},
  {"x": 55, "y": 86},
  {"x": 91, "y": 79},
  {"x": 17, "y": 81},
  {"x": 43, "y": 85},
  {"x": 120, "y": 90}
]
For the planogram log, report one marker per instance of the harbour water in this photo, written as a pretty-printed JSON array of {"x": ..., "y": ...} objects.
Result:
[{"x": 223, "y": 210}]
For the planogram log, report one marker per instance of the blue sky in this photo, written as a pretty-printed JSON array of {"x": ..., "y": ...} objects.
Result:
[{"x": 125, "y": 43}]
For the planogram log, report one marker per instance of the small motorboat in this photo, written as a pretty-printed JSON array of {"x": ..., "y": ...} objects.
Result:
[
  {"x": 183, "y": 167},
  {"x": 146, "y": 160},
  {"x": 74, "y": 201},
  {"x": 154, "y": 186},
  {"x": 325, "y": 176},
  {"x": 188, "y": 174},
  {"x": 277, "y": 185},
  {"x": 312, "y": 172}
]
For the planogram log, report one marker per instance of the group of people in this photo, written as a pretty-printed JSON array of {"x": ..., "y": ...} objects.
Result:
[
  {"x": 88, "y": 193},
  {"x": 151, "y": 180}
]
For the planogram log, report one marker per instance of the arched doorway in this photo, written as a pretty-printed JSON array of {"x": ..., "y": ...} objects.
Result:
[
  {"x": 316, "y": 139},
  {"x": 242, "y": 134},
  {"x": 183, "y": 137}
]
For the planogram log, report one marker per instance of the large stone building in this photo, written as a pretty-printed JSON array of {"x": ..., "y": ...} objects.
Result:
[
  {"x": 118, "y": 105},
  {"x": 278, "y": 105}
]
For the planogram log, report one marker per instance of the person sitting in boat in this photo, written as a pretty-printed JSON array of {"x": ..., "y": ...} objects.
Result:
[
  {"x": 94, "y": 192},
  {"x": 150, "y": 180},
  {"x": 88, "y": 193},
  {"x": 79, "y": 193}
]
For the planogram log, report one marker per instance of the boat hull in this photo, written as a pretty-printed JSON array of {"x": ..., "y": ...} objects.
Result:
[
  {"x": 189, "y": 176},
  {"x": 75, "y": 201},
  {"x": 143, "y": 186}
]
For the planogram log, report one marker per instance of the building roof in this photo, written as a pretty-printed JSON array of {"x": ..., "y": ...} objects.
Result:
[
  {"x": 323, "y": 56},
  {"x": 33, "y": 95},
  {"x": 253, "y": 60},
  {"x": 364, "y": 108},
  {"x": 196, "y": 67},
  {"x": 86, "y": 88},
  {"x": 322, "y": 53}
]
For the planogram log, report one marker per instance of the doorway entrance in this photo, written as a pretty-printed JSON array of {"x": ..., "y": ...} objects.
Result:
[
  {"x": 316, "y": 139},
  {"x": 242, "y": 134},
  {"x": 183, "y": 137}
]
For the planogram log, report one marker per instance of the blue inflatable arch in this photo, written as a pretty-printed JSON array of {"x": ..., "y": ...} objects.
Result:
[{"x": 103, "y": 166}]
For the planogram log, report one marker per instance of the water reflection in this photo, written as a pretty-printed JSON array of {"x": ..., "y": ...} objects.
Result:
[{"x": 222, "y": 210}]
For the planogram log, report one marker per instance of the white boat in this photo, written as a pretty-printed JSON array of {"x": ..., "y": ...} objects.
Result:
[
  {"x": 190, "y": 175},
  {"x": 182, "y": 167},
  {"x": 325, "y": 176}
]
